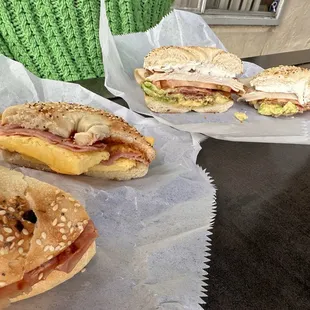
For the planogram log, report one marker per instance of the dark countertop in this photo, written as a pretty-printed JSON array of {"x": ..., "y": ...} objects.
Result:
[
  {"x": 300, "y": 58},
  {"x": 260, "y": 254}
]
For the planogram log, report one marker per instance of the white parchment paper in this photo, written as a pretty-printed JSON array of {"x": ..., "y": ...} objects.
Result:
[
  {"x": 122, "y": 54},
  {"x": 153, "y": 231}
]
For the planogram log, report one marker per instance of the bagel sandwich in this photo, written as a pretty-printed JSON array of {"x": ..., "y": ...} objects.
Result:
[
  {"x": 46, "y": 237},
  {"x": 74, "y": 139},
  {"x": 279, "y": 91},
  {"x": 189, "y": 78}
]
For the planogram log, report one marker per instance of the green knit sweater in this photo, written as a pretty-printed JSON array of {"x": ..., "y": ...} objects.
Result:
[{"x": 59, "y": 39}]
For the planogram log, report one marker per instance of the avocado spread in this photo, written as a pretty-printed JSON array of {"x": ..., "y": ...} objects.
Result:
[
  {"x": 240, "y": 116},
  {"x": 180, "y": 99},
  {"x": 278, "y": 110}
]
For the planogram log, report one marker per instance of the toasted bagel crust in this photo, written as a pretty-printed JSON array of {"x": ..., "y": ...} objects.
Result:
[
  {"x": 57, "y": 277},
  {"x": 34, "y": 242}
]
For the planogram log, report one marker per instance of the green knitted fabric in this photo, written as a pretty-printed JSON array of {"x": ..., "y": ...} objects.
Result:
[{"x": 59, "y": 39}]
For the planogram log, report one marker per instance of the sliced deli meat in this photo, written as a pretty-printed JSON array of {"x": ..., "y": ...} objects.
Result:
[
  {"x": 118, "y": 155},
  {"x": 259, "y": 95},
  {"x": 196, "y": 80},
  {"x": 68, "y": 144}
]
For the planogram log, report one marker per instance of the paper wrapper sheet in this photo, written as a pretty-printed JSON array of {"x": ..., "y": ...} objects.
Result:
[
  {"x": 153, "y": 231},
  {"x": 125, "y": 53}
]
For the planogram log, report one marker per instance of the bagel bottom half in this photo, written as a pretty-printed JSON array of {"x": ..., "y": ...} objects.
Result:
[
  {"x": 159, "y": 106},
  {"x": 138, "y": 171},
  {"x": 57, "y": 277}
]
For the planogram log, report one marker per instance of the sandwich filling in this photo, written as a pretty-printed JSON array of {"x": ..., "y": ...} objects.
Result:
[
  {"x": 64, "y": 155},
  {"x": 275, "y": 104},
  {"x": 191, "y": 89},
  {"x": 282, "y": 90}
]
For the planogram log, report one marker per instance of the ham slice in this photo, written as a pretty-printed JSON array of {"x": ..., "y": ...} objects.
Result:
[
  {"x": 65, "y": 262},
  {"x": 129, "y": 155},
  {"x": 193, "y": 91},
  {"x": 68, "y": 144},
  {"x": 259, "y": 95},
  {"x": 196, "y": 92},
  {"x": 199, "y": 86},
  {"x": 68, "y": 259},
  {"x": 196, "y": 80}
]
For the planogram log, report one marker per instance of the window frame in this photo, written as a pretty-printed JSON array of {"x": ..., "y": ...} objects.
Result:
[{"x": 237, "y": 18}]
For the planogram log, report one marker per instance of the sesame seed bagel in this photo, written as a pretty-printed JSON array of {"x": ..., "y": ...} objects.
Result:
[
  {"x": 283, "y": 74},
  {"x": 37, "y": 222},
  {"x": 57, "y": 277},
  {"x": 87, "y": 125},
  {"x": 164, "y": 58}
]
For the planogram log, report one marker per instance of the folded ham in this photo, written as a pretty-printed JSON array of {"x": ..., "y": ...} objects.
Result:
[
  {"x": 68, "y": 144},
  {"x": 129, "y": 155},
  {"x": 65, "y": 261}
]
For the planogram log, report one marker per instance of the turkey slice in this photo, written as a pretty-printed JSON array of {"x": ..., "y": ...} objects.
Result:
[
  {"x": 259, "y": 95},
  {"x": 202, "y": 81}
]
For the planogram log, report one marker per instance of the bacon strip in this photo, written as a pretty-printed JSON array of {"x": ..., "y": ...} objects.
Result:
[
  {"x": 65, "y": 262},
  {"x": 51, "y": 138}
]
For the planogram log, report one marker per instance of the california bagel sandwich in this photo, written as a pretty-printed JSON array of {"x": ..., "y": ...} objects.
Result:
[
  {"x": 279, "y": 91},
  {"x": 46, "y": 237},
  {"x": 182, "y": 79},
  {"x": 74, "y": 139}
]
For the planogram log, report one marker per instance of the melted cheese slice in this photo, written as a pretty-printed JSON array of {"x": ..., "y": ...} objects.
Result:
[
  {"x": 121, "y": 164},
  {"x": 150, "y": 140},
  {"x": 58, "y": 159}
]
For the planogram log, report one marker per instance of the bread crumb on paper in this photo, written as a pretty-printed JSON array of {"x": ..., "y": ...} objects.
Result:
[
  {"x": 83, "y": 270},
  {"x": 240, "y": 116}
]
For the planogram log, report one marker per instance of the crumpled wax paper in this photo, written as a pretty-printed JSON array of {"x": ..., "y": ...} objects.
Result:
[
  {"x": 124, "y": 53},
  {"x": 153, "y": 231}
]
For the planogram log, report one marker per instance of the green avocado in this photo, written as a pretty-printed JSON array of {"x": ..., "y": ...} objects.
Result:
[
  {"x": 175, "y": 98},
  {"x": 152, "y": 91},
  {"x": 278, "y": 110}
]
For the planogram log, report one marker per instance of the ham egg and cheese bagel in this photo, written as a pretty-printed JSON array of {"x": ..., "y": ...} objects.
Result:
[
  {"x": 46, "y": 237},
  {"x": 74, "y": 139},
  {"x": 182, "y": 79},
  {"x": 283, "y": 90}
]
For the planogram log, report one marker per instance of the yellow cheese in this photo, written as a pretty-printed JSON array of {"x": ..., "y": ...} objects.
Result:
[
  {"x": 121, "y": 164},
  {"x": 216, "y": 98},
  {"x": 58, "y": 159},
  {"x": 150, "y": 140}
]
